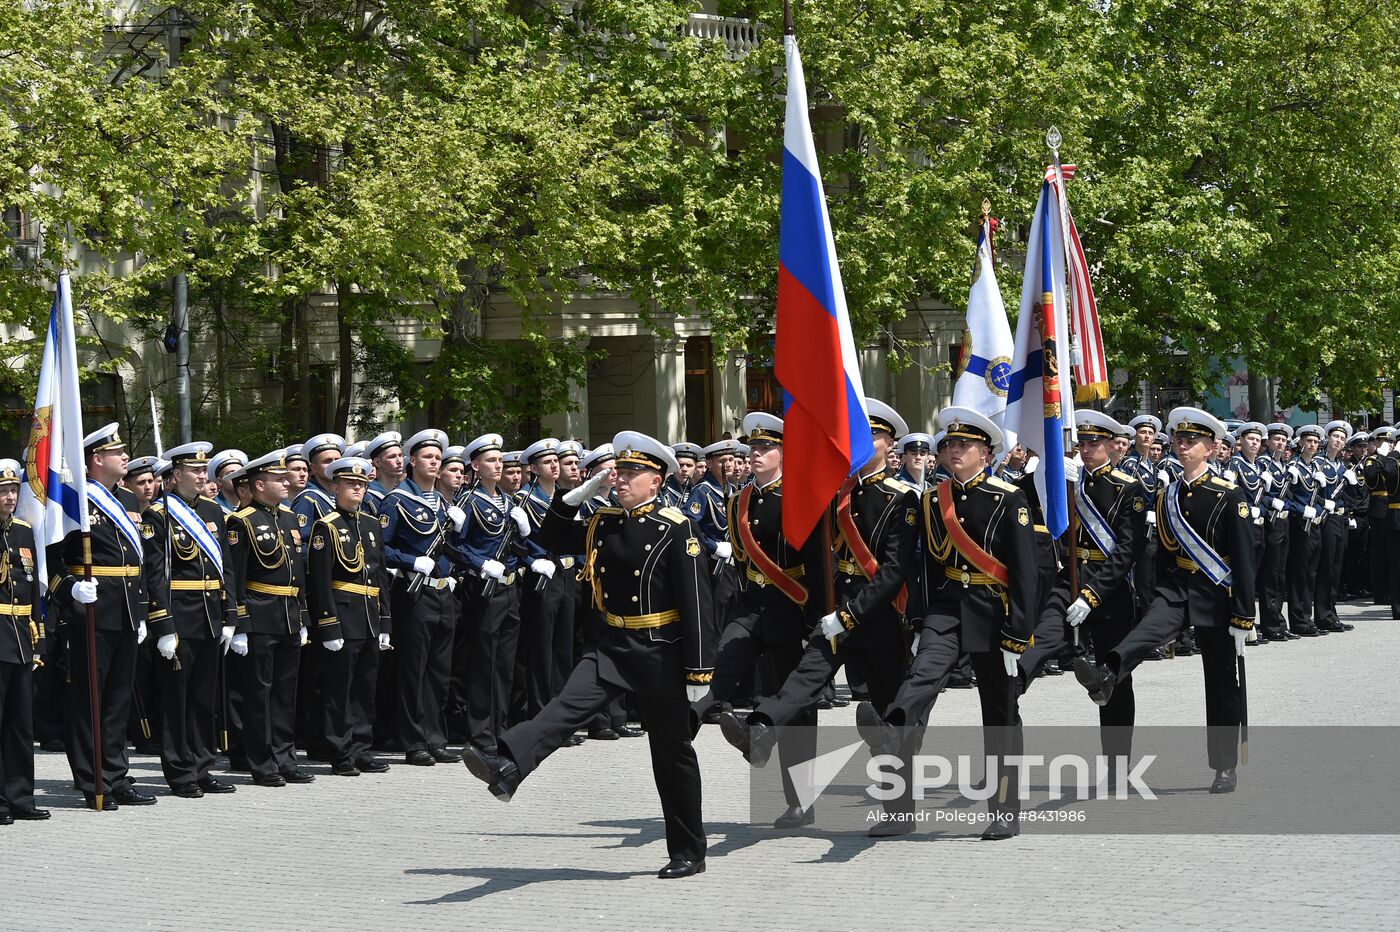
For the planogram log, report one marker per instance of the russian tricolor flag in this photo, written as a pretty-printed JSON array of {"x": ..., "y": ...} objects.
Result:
[{"x": 826, "y": 428}]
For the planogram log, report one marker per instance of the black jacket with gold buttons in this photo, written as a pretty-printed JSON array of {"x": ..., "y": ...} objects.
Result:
[
  {"x": 21, "y": 624},
  {"x": 649, "y": 579},
  {"x": 996, "y": 516},
  {"x": 265, "y": 570},
  {"x": 1218, "y": 512},
  {"x": 885, "y": 514},
  {"x": 1103, "y": 578},
  {"x": 125, "y": 595},
  {"x": 176, "y": 562},
  {"x": 347, "y": 579},
  {"x": 760, "y": 510}
]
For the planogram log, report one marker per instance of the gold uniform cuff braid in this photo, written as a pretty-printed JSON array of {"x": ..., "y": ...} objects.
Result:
[
  {"x": 848, "y": 621},
  {"x": 1015, "y": 645},
  {"x": 699, "y": 677},
  {"x": 1088, "y": 595},
  {"x": 1244, "y": 624}
]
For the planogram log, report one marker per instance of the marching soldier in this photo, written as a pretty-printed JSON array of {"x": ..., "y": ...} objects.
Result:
[
  {"x": 915, "y": 451},
  {"x": 981, "y": 577},
  {"x": 1357, "y": 496},
  {"x": 21, "y": 647},
  {"x": 346, "y": 581},
  {"x": 265, "y": 574},
  {"x": 1205, "y": 579},
  {"x": 706, "y": 504},
  {"x": 646, "y": 567},
  {"x": 1273, "y": 578},
  {"x": 488, "y": 541},
  {"x": 1141, "y": 462},
  {"x": 1304, "y": 484},
  {"x": 1246, "y": 470},
  {"x": 120, "y": 595},
  {"x": 775, "y": 610},
  {"x": 417, "y": 525},
  {"x": 186, "y": 551},
  {"x": 1378, "y": 513},
  {"x": 876, "y": 521},
  {"x": 676, "y": 492}
]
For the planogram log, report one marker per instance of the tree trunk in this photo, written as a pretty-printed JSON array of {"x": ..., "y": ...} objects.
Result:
[
  {"x": 1261, "y": 402},
  {"x": 345, "y": 382},
  {"x": 302, "y": 311}
]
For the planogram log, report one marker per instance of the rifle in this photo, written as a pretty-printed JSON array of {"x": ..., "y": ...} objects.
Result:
[
  {"x": 434, "y": 546},
  {"x": 508, "y": 538}
]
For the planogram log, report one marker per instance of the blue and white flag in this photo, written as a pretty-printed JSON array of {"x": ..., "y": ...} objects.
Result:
[
  {"x": 985, "y": 378},
  {"x": 54, "y": 496}
]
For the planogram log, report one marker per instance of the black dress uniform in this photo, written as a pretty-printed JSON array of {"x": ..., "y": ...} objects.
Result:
[
  {"x": 648, "y": 575},
  {"x": 545, "y": 653},
  {"x": 124, "y": 603},
  {"x": 1187, "y": 594},
  {"x": 1373, "y": 468},
  {"x": 199, "y": 609},
  {"x": 21, "y": 644},
  {"x": 1273, "y": 570},
  {"x": 265, "y": 577},
  {"x": 772, "y": 616},
  {"x": 348, "y": 585},
  {"x": 1305, "y": 481},
  {"x": 1390, "y": 466}
]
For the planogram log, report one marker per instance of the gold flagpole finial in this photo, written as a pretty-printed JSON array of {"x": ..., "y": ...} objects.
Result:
[{"x": 986, "y": 208}]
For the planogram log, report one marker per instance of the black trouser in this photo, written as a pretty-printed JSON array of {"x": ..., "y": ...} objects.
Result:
[
  {"x": 1332, "y": 548},
  {"x": 674, "y": 766},
  {"x": 496, "y": 634},
  {"x": 51, "y": 690},
  {"x": 143, "y": 721},
  {"x": 1145, "y": 572},
  {"x": 349, "y": 676},
  {"x": 767, "y": 638},
  {"x": 116, "y": 666},
  {"x": 269, "y": 703},
  {"x": 310, "y": 735},
  {"x": 546, "y": 637},
  {"x": 940, "y": 648},
  {"x": 235, "y": 676},
  {"x": 16, "y": 737},
  {"x": 424, "y": 624},
  {"x": 1392, "y": 556},
  {"x": 1162, "y": 621},
  {"x": 1378, "y": 538},
  {"x": 187, "y": 697},
  {"x": 1271, "y": 578},
  {"x": 1304, "y": 548}
]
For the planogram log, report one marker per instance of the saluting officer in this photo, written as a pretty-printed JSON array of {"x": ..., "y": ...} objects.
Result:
[
  {"x": 21, "y": 646},
  {"x": 418, "y": 527},
  {"x": 981, "y": 587},
  {"x": 775, "y": 609},
  {"x": 347, "y": 588},
  {"x": 1205, "y": 579},
  {"x": 120, "y": 595},
  {"x": 187, "y": 551},
  {"x": 646, "y": 566},
  {"x": 265, "y": 576}
]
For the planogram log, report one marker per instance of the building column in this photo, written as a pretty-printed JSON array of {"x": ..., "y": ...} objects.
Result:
[
  {"x": 572, "y": 424},
  {"x": 668, "y": 397},
  {"x": 731, "y": 393}
]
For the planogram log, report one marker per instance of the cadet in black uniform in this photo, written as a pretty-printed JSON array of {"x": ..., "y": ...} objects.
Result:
[
  {"x": 347, "y": 588},
  {"x": 876, "y": 526},
  {"x": 981, "y": 586},
  {"x": 186, "y": 551},
  {"x": 120, "y": 595},
  {"x": 1205, "y": 578},
  {"x": 775, "y": 610},
  {"x": 648, "y": 574},
  {"x": 21, "y": 646},
  {"x": 265, "y": 579},
  {"x": 1373, "y": 467}
]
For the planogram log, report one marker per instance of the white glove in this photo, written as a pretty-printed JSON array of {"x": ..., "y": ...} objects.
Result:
[
  {"x": 226, "y": 636},
  {"x": 334, "y": 645},
  {"x": 521, "y": 519},
  {"x": 1319, "y": 475},
  {"x": 1228, "y": 475},
  {"x": 1240, "y": 635},
  {"x": 85, "y": 591},
  {"x": 166, "y": 645},
  {"x": 239, "y": 645},
  {"x": 457, "y": 516},
  {"x": 914, "y": 645},
  {"x": 724, "y": 550},
  {"x": 543, "y": 567},
  {"x": 494, "y": 568},
  {"x": 1077, "y": 612},
  {"x": 1011, "y": 661},
  {"x": 1384, "y": 448},
  {"x": 141, "y": 633},
  {"x": 384, "y": 641},
  {"x": 594, "y": 485},
  {"x": 1276, "y": 504},
  {"x": 1152, "y": 518},
  {"x": 1329, "y": 504},
  {"x": 696, "y": 693},
  {"x": 1162, "y": 476},
  {"x": 1350, "y": 477},
  {"x": 424, "y": 565},
  {"x": 1309, "y": 512},
  {"x": 1351, "y": 524},
  {"x": 1293, "y": 473},
  {"x": 1071, "y": 469},
  {"x": 305, "y": 638},
  {"x": 831, "y": 625},
  {"x": 1255, "y": 513},
  {"x": 452, "y": 584}
]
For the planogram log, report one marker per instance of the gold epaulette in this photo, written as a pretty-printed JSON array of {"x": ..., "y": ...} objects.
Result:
[
  {"x": 897, "y": 485},
  {"x": 1221, "y": 483},
  {"x": 20, "y": 522},
  {"x": 608, "y": 510},
  {"x": 206, "y": 498},
  {"x": 1001, "y": 484},
  {"x": 243, "y": 512},
  {"x": 672, "y": 514},
  {"x": 1121, "y": 476},
  {"x": 156, "y": 506},
  {"x": 283, "y": 507},
  {"x": 329, "y": 517}
]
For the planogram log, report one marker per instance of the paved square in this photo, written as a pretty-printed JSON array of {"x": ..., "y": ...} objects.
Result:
[{"x": 429, "y": 847}]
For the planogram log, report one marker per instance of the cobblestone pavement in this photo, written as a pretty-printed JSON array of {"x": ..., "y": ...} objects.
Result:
[{"x": 428, "y": 847}]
